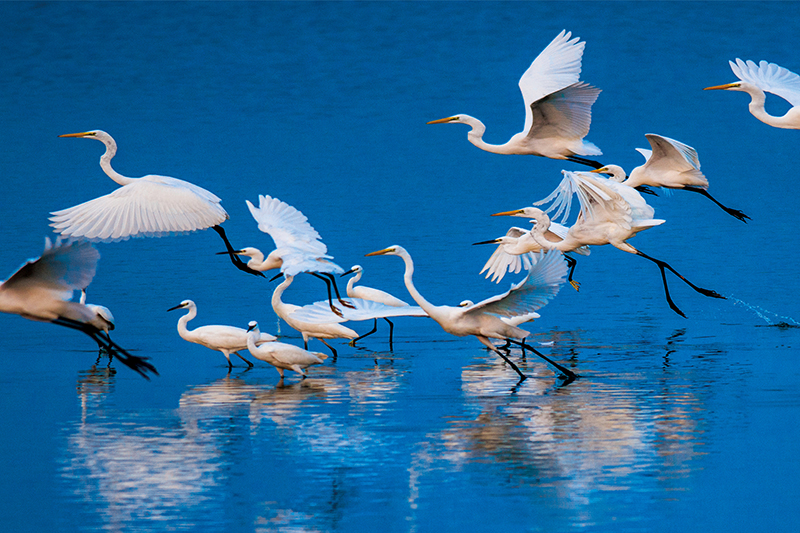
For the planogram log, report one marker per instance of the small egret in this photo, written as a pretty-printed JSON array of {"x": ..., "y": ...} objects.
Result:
[
  {"x": 103, "y": 313},
  {"x": 558, "y": 108},
  {"x": 150, "y": 206},
  {"x": 670, "y": 164},
  {"x": 298, "y": 247},
  {"x": 484, "y": 319},
  {"x": 611, "y": 213},
  {"x": 42, "y": 288},
  {"x": 281, "y": 355},
  {"x": 321, "y": 331},
  {"x": 226, "y": 339},
  {"x": 771, "y": 78}
]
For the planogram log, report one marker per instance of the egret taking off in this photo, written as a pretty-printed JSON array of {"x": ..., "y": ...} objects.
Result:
[
  {"x": 150, "y": 206},
  {"x": 670, "y": 164},
  {"x": 281, "y": 355},
  {"x": 558, "y": 108},
  {"x": 298, "y": 246},
  {"x": 42, "y": 289},
  {"x": 226, "y": 339},
  {"x": 755, "y": 80},
  {"x": 483, "y": 320}
]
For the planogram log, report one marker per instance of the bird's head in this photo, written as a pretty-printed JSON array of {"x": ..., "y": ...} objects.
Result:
[
  {"x": 392, "y": 250},
  {"x": 466, "y": 303},
  {"x": 490, "y": 241},
  {"x": 183, "y": 305},
  {"x": 615, "y": 172},
  {"x": 448, "y": 120},
  {"x": 736, "y": 86},
  {"x": 354, "y": 270},
  {"x": 252, "y": 326},
  {"x": 525, "y": 212}
]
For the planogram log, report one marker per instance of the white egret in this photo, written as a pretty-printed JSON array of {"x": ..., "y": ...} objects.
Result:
[
  {"x": 298, "y": 247},
  {"x": 103, "y": 313},
  {"x": 558, "y": 108},
  {"x": 320, "y": 331},
  {"x": 771, "y": 78},
  {"x": 281, "y": 355},
  {"x": 226, "y": 339},
  {"x": 42, "y": 288},
  {"x": 483, "y": 320},
  {"x": 670, "y": 164},
  {"x": 516, "y": 249},
  {"x": 150, "y": 206},
  {"x": 611, "y": 213}
]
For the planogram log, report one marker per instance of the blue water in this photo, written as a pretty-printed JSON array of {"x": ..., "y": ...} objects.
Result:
[{"x": 675, "y": 425}]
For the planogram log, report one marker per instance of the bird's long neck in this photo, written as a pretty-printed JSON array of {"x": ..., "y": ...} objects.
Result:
[
  {"x": 277, "y": 304},
  {"x": 412, "y": 290},
  {"x": 105, "y": 163},
  {"x": 540, "y": 229},
  {"x": 252, "y": 335},
  {"x": 351, "y": 283},
  {"x": 183, "y": 331},
  {"x": 475, "y": 136}
]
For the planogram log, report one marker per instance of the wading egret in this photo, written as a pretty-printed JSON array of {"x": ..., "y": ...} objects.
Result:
[
  {"x": 558, "y": 108},
  {"x": 281, "y": 355},
  {"x": 483, "y": 320},
  {"x": 150, "y": 206},
  {"x": 771, "y": 78},
  {"x": 670, "y": 164},
  {"x": 298, "y": 247},
  {"x": 320, "y": 331},
  {"x": 42, "y": 289},
  {"x": 226, "y": 339},
  {"x": 611, "y": 213}
]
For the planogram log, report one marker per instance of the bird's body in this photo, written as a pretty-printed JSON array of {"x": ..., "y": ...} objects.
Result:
[
  {"x": 102, "y": 312},
  {"x": 225, "y": 339},
  {"x": 281, "y": 355},
  {"x": 755, "y": 80},
  {"x": 483, "y": 320},
  {"x": 42, "y": 290},
  {"x": 670, "y": 164},
  {"x": 558, "y": 108}
]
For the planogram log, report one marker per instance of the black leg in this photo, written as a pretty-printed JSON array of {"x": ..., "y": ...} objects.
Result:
[
  {"x": 333, "y": 351},
  {"x": 492, "y": 347},
  {"x": 391, "y": 332},
  {"x": 584, "y": 161},
  {"x": 569, "y": 374},
  {"x": 367, "y": 334},
  {"x": 646, "y": 190},
  {"x": 664, "y": 264},
  {"x": 733, "y": 212},
  {"x": 572, "y": 263},
  {"x": 235, "y": 259},
  {"x": 336, "y": 289},
  {"x": 249, "y": 364},
  {"x": 327, "y": 281}
]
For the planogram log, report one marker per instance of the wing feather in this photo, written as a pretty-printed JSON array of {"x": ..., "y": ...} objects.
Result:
[{"x": 770, "y": 78}]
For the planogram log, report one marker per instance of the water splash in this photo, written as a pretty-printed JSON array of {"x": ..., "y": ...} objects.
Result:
[{"x": 771, "y": 319}]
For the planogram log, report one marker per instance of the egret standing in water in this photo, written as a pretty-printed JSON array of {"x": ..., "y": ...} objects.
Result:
[
  {"x": 670, "y": 164},
  {"x": 42, "y": 289},
  {"x": 281, "y": 355},
  {"x": 150, "y": 206},
  {"x": 483, "y": 320},
  {"x": 771, "y": 78},
  {"x": 226, "y": 339},
  {"x": 558, "y": 108}
]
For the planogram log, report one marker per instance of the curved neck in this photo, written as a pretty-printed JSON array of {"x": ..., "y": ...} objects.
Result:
[
  {"x": 475, "y": 136},
  {"x": 105, "y": 163},
  {"x": 412, "y": 290},
  {"x": 538, "y": 233},
  {"x": 277, "y": 303},
  {"x": 184, "y": 320},
  {"x": 351, "y": 282}
]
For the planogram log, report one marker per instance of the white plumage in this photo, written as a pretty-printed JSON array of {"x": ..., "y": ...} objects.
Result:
[{"x": 281, "y": 355}]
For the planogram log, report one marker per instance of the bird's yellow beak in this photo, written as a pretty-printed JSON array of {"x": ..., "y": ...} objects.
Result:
[
  {"x": 380, "y": 252},
  {"x": 508, "y": 213},
  {"x": 82, "y": 134},
  {"x": 442, "y": 120},
  {"x": 726, "y": 86},
  {"x": 603, "y": 170}
]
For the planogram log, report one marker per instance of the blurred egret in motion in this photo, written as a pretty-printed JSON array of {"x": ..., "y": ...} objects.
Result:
[
  {"x": 226, "y": 339},
  {"x": 755, "y": 80},
  {"x": 610, "y": 213},
  {"x": 558, "y": 108},
  {"x": 298, "y": 246},
  {"x": 103, "y": 313},
  {"x": 150, "y": 206},
  {"x": 484, "y": 319},
  {"x": 42, "y": 288},
  {"x": 670, "y": 164},
  {"x": 281, "y": 355}
]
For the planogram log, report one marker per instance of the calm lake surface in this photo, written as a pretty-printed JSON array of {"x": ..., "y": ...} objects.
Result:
[{"x": 675, "y": 424}]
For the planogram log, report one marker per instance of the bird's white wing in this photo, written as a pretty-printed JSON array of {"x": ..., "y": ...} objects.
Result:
[
  {"x": 295, "y": 262},
  {"x": 539, "y": 287},
  {"x": 62, "y": 268},
  {"x": 151, "y": 206},
  {"x": 556, "y": 67},
  {"x": 286, "y": 225},
  {"x": 560, "y": 231},
  {"x": 289, "y": 354},
  {"x": 669, "y": 154},
  {"x": 501, "y": 262},
  {"x": 646, "y": 153},
  {"x": 560, "y": 199},
  {"x": 770, "y": 78},
  {"x": 565, "y": 113},
  {"x": 320, "y": 312}
]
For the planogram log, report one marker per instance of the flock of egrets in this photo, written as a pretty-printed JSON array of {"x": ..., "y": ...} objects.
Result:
[{"x": 557, "y": 118}]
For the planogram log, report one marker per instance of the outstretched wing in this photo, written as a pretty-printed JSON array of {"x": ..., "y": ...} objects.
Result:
[
  {"x": 320, "y": 312},
  {"x": 539, "y": 287},
  {"x": 287, "y": 226},
  {"x": 671, "y": 155},
  {"x": 770, "y": 78},
  {"x": 565, "y": 113}
]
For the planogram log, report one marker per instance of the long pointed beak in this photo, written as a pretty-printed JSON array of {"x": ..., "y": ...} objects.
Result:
[
  {"x": 346, "y": 273},
  {"x": 237, "y": 252},
  {"x": 602, "y": 170},
  {"x": 179, "y": 306},
  {"x": 251, "y": 328},
  {"x": 442, "y": 120},
  {"x": 81, "y": 134},
  {"x": 508, "y": 213},
  {"x": 493, "y": 241},
  {"x": 379, "y": 252},
  {"x": 726, "y": 86}
]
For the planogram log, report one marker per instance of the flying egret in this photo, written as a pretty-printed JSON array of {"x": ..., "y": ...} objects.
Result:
[
  {"x": 771, "y": 78},
  {"x": 611, "y": 213},
  {"x": 281, "y": 355},
  {"x": 321, "y": 331},
  {"x": 483, "y": 320},
  {"x": 226, "y": 339},
  {"x": 558, "y": 108},
  {"x": 42, "y": 288},
  {"x": 298, "y": 246},
  {"x": 670, "y": 164},
  {"x": 516, "y": 248},
  {"x": 103, "y": 313},
  {"x": 150, "y": 206}
]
